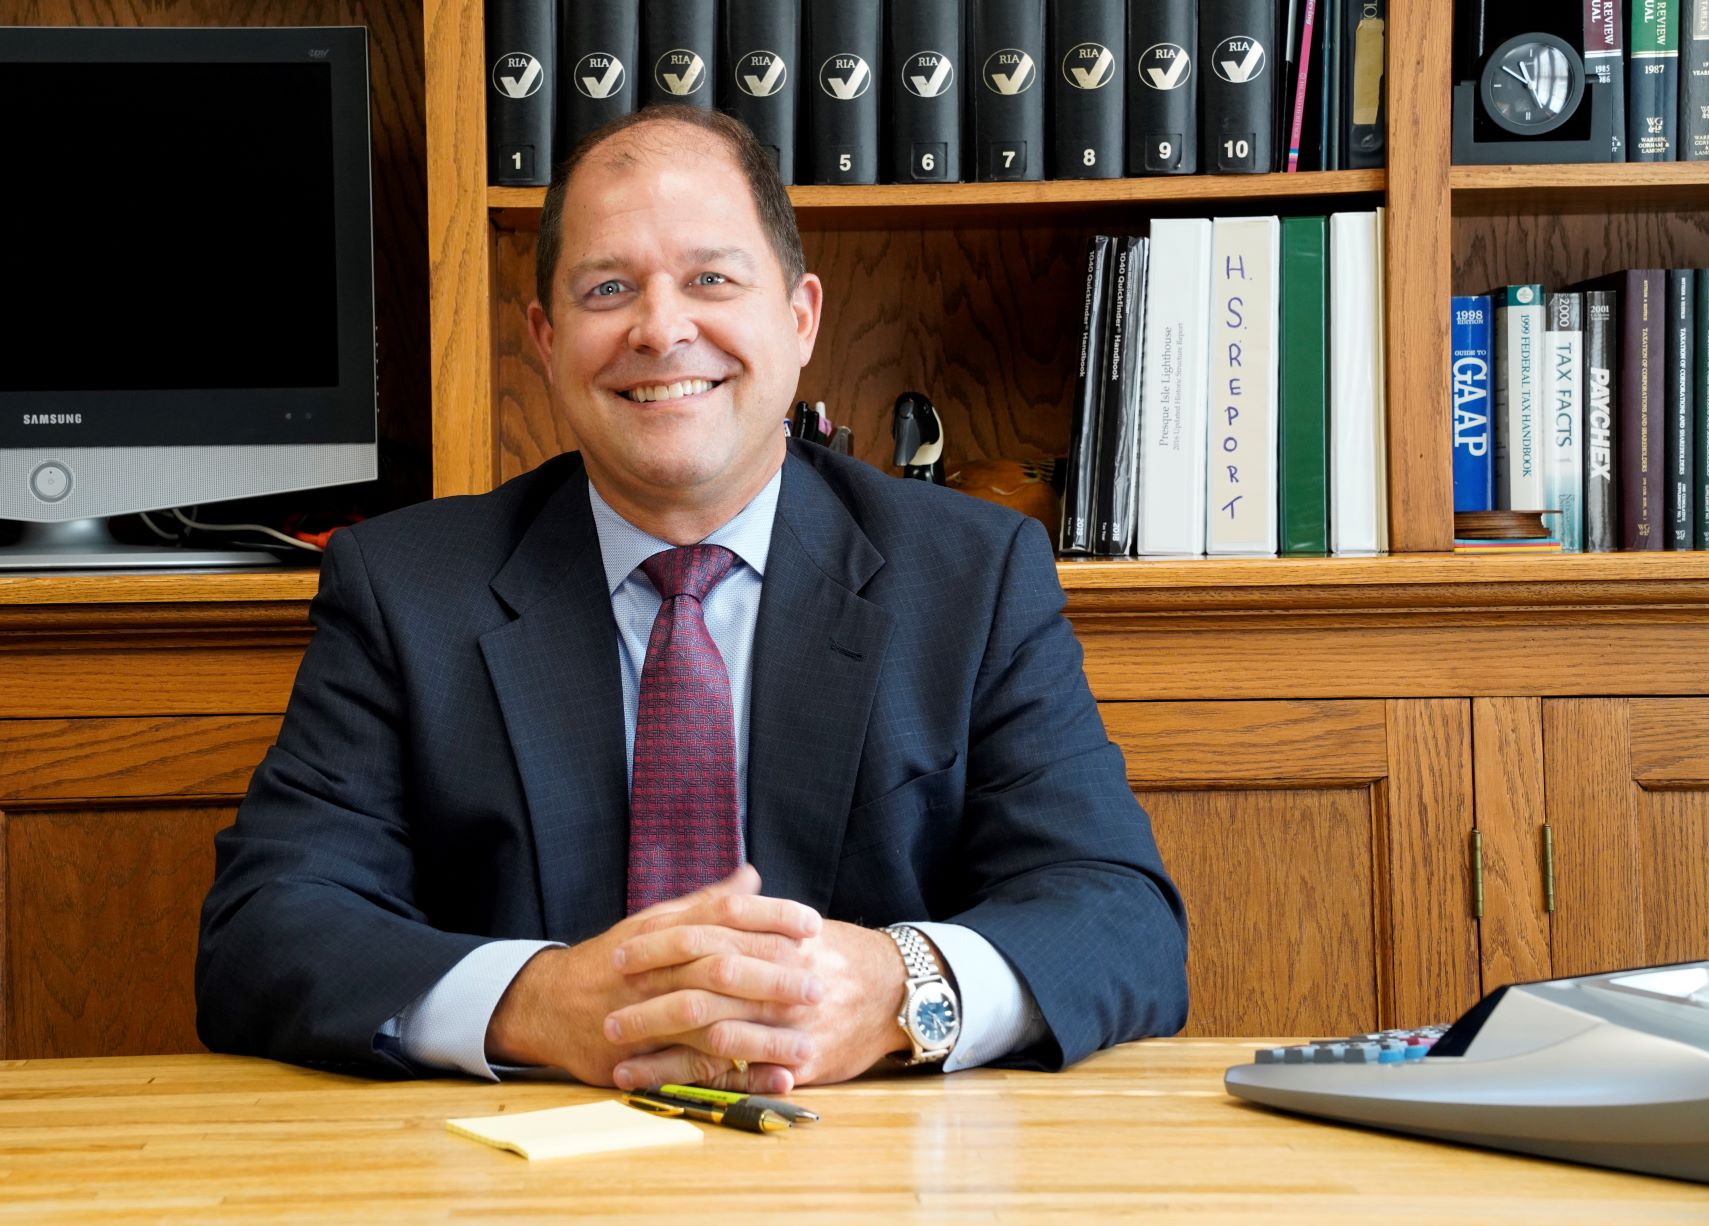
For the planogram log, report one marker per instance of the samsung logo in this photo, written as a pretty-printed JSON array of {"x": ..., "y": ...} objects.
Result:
[{"x": 53, "y": 419}]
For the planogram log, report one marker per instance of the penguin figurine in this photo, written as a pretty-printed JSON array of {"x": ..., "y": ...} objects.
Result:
[{"x": 919, "y": 435}]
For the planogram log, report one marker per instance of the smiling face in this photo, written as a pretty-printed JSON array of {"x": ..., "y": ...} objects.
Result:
[{"x": 674, "y": 344}]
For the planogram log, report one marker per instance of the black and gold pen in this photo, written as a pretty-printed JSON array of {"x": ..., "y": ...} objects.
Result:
[
  {"x": 746, "y": 1116},
  {"x": 704, "y": 1094}
]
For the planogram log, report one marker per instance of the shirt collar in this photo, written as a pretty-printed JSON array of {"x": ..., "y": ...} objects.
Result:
[{"x": 623, "y": 546}]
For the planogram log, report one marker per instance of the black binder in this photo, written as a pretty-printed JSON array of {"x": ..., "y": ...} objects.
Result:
[
  {"x": 925, "y": 86},
  {"x": 1077, "y": 533},
  {"x": 762, "y": 73},
  {"x": 845, "y": 40},
  {"x": 599, "y": 47},
  {"x": 1088, "y": 49},
  {"x": 1237, "y": 49},
  {"x": 522, "y": 61},
  {"x": 1006, "y": 62},
  {"x": 679, "y": 52},
  {"x": 1163, "y": 92}
]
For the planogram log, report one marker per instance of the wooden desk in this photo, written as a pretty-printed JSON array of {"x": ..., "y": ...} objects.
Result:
[{"x": 1144, "y": 1129}]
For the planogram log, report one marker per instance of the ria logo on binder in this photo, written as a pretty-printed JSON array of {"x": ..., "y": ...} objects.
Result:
[
  {"x": 760, "y": 74},
  {"x": 928, "y": 74},
  {"x": 1239, "y": 59},
  {"x": 1088, "y": 66},
  {"x": 845, "y": 76},
  {"x": 1165, "y": 66},
  {"x": 599, "y": 75},
  {"x": 680, "y": 72},
  {"x": 1009, "y": 71},
  {"x": 516, "y": 74}
]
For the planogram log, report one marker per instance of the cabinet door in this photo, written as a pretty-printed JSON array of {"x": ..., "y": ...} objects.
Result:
[
  {"x": 1628, "y": 805},
  {"x": 1322, "y": 850},
  {"x": 106, "y": 851}
]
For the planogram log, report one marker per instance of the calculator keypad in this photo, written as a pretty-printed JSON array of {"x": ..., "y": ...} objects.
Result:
[{"x": 1377, "y": 1047}]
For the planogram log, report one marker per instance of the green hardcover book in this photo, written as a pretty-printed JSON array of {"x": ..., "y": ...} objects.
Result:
[
  {"x": 1304, "y": 451},
  {"x": 1700, "y": 411}
]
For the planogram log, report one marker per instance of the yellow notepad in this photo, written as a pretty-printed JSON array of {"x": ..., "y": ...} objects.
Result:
[{"x": 565, "y": 1132}]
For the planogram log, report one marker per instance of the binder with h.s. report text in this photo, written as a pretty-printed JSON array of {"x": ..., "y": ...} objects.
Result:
[
  {"x": 1005, "y": 63},
  {"x": 1088, "y": 46},
  {"x": 845, "y": 42},
  {"x": 679, "y": 52},
  {"x": 522, "y": 60},
  {"x": 924, "y": 77},
  {"x": 762, "y": 73},
  {"x": 599, "y": 45}
]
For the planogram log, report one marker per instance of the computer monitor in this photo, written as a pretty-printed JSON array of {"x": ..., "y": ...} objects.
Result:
[{"x": 186, "y": 277}]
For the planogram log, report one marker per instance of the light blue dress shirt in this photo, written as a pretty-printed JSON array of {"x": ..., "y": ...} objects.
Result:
[{"x": 446, "y": 1026}]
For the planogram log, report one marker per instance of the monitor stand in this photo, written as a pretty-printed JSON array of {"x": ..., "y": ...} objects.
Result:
[{"x": 88, "y": 544}]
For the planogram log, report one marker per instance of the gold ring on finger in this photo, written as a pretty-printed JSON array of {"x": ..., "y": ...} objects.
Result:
[{"x": 740, "y": 1064}]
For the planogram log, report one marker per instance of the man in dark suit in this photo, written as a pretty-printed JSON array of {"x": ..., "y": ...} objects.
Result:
[{"x": 540, "y": 800}]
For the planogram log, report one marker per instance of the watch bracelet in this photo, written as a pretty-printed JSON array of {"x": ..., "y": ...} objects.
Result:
[{"x": 917, "y": 955}]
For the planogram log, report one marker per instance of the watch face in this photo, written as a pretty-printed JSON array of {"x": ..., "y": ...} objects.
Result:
[
  {"x": 933, "y": 1015},
  {"x": 1532, "y": 83}
]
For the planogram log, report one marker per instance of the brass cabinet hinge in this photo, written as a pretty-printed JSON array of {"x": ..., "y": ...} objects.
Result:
[
  {"x": 1548, "y": 869},
  {"x": 1477, "y": 875}
]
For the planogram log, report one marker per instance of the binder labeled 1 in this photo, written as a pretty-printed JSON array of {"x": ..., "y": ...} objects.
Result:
[{"x": 522, "y": 59}]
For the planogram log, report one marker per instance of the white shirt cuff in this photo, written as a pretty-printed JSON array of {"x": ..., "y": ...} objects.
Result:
[
  {"x": 446, "y": 1026},
  {"x": 998, "y": 1014}
]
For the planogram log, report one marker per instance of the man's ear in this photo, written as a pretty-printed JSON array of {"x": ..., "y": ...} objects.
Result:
[
  {"x": 540, "y": 328},
  {"x": 806, "y": 301}
]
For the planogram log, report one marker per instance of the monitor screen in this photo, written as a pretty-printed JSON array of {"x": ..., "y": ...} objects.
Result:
[
  {"x": 186, "y": 252},
  {"x": 195, "y": 249}
]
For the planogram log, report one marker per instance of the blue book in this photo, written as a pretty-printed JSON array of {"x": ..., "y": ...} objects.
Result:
[{"x": 1470, "y": 342}]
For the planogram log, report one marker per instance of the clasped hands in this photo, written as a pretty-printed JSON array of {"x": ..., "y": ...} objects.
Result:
[{"x": 679, "y": 991}]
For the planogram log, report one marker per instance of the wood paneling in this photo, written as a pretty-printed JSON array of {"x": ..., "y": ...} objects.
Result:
[
  {"x": 76, "y": 759},
  {"x": 1560, "y": 248},
  {"x": 1507, "y": 768},
  {"x": 1415, "y": 241},
  {"x": 459, "y": 238},
  {"x": 122, "y": 682},
  {"x": 1275, "y": 842},
  {"x": 1249, "y": 744},
  {"x": 1670, "y": 743},
  {"x": 1428, "y": 824},
  {"x": 1345, "y": 657},
  {"x": 1279, "y": 892},
  {"x": 399, "y": 136},
  {"x": 1592, "y": 804},
  {"x": 102, "y": 910}
]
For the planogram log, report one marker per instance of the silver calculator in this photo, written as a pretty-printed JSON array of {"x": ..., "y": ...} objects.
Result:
[{"x": 1609, "y": 1069}]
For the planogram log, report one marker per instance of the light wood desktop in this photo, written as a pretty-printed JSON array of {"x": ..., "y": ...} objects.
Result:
[{"x": 1144, "y": 1129}]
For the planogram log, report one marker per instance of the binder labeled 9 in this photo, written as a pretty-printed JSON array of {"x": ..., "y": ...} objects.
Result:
[{"x": 1163, "y": 153}]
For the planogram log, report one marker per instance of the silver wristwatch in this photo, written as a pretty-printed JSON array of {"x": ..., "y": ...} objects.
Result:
[{"x": 930, "y": 1015}]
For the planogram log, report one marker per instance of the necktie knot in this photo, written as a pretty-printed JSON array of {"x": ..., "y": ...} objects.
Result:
[{"x": 689, "y": 570}]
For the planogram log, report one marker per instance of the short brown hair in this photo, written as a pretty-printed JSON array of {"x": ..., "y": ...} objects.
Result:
[{"x": 771, "y": 198}]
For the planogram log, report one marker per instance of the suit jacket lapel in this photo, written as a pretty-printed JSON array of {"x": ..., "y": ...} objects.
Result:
[
  {"x": 555, "y": 671},
  {"x": 818, "y": 649}
]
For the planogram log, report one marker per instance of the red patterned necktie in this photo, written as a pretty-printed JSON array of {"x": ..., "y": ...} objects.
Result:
[{"x": 683, "y": 831}]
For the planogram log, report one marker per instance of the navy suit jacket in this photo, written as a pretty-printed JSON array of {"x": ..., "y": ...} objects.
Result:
[{"x": 922, "y": 746}]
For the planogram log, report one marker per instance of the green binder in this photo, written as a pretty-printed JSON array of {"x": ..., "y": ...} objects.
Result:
[{"x": 1304, "y": 458}]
